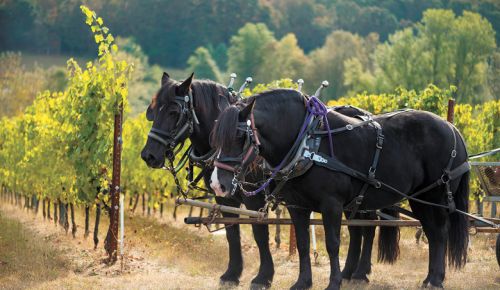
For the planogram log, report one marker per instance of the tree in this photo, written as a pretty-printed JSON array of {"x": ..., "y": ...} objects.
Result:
[
  {"x": 442, "y": 49},
  {"x": 435, "y": 30},
  {"x": 327, "y": 62},
  {"x": 398, "y": 62},
  {"x": 283, "y": 59},
  {"x": 248, "y": 47},
  {"x": 15, "y": 95},
  {"x": 307, "y": 19},
  {"x": 203, "y": 65},
  {"x": 474, "y": 40}
]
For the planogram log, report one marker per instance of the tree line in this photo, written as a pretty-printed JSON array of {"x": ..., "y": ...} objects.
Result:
[
  {"x": 442, "y": 49},
  {"x": 170, "y": 30}
]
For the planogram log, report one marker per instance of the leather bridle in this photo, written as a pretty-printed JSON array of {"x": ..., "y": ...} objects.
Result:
[
  {"x": 246, "y": 158},
  {"x": 183, "y": 128}
]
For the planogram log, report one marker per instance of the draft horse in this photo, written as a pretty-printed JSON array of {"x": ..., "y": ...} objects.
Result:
[
  {"x": 189, "y": 109},
  {"x": 423, "y": 160}
]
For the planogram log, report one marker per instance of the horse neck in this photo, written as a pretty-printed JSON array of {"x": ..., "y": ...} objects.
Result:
[{"x": 278, "y": 125}]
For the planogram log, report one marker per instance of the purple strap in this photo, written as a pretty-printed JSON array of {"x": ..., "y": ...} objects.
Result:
[
  {"x": 314, "y": 108},
  {"x": 317, "y": 108}
]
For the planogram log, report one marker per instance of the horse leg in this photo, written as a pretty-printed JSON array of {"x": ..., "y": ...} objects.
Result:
[
  {"x": 351, "y": 263},
  {"x": 265, "y": 275},
  {"x": 301, "y": 219},
  {"x": 365, "y": 262},
  {"x": 332, "y": 216},
  {"x": 235, "y": 264},
  {"x": 435, "y": 222}
]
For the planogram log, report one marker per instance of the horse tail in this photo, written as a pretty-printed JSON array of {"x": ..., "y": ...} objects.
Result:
[
  {"x": 388, "y": 241},
  {"x": 458, "y": 234}
]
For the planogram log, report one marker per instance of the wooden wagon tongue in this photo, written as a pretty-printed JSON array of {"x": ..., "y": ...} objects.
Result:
[{"x": 222, "y": 208}]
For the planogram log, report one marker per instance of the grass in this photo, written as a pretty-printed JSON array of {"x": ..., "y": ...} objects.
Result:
[
  {"x": 165, "y": 254},
  {"x": 26, "y": 260}
]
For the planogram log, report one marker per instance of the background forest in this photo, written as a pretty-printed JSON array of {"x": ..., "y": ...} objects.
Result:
[{"x": 359, "y": 46}]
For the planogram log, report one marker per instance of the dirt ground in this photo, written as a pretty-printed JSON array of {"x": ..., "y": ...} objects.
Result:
[{"x": 161, "y": 253}]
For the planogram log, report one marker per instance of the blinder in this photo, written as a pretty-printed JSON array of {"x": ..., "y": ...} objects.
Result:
[{"x": 246, "y": 158}]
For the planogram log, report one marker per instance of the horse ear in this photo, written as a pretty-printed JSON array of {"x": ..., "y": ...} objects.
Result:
[
  {"x": 245, "y": 112},
  {"x": 184, "y": 87},
  {"x": 149, "y": 114},
  {"x": 164, "y": 78}
]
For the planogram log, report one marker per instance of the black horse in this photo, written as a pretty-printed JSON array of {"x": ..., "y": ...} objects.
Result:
[
  {"x": 422, "y": 155},
  {"x": 170, "y": 113},
  {"x": 209, "y": 98}
]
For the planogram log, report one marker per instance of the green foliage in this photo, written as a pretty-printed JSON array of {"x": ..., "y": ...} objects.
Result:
[
  {"x": 61, "y": 147},
  {"x": 169, "y": 31},
  {"x": 443, "y": 50},
  {"x": 277, "y": 84},
  {"x": 15, "y": 94},
  {"x": 203, "y": 65},
  {"x": 479, "y": 124},
  {"x": 282, "y": 59},
  {"x": 247, "y": 50},
  {"x": 327, "y": 62}
]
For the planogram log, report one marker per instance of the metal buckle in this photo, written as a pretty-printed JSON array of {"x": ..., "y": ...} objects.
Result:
[
  {"x": 453, "y": 153},
  {"x": 380, "y": 141},
  {"x": 349, "y": 127},
  {"x": 314, "y": 157},
  {"x": 445, "y": 178},
  {"x": 371, "y": 172}
]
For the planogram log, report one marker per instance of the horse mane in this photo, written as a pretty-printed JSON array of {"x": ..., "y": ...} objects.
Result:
[
  {"x": 209, "y": 93},
  {"x": 225, "y": 128}
]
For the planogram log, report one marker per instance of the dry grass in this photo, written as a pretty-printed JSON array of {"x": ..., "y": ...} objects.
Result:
[
  {"x": 24, "y": 259},
  {"x": 165, "y": 254}
]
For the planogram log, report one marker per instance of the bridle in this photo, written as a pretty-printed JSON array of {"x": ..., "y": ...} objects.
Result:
[
  {"x": 183, "y": 128},
  {"x": 246, "y": 158}
]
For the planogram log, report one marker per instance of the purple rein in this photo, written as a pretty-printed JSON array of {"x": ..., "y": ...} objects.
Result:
[{"x": 314, "y": 108}]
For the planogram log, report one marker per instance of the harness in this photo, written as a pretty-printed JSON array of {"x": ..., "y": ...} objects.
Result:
[
  {"x": 305, "y": 152},
  {"x": 174, "y": 141},
  {"x": 188, "y": 119}
]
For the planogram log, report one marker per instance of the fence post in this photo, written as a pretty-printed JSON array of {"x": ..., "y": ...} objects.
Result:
[
  {"x": 115, "y": 187},
  {"x": 451, "y": 111}
]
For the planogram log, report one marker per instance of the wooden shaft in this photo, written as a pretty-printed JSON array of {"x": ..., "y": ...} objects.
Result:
[{"x": 224, "y": 208}]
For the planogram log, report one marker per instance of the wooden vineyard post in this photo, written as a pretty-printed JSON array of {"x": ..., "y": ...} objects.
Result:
[
  {"x": 451, "y": 111},
  {"x": 112, "y": 237}
]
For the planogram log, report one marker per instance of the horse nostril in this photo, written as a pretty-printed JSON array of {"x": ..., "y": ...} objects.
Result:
[{"x": 223, "y": 188}]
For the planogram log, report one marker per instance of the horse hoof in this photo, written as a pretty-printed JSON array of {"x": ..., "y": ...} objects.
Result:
[
  {"x": 228, "y": 284},
  {"x": 360, "y": 278}
]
